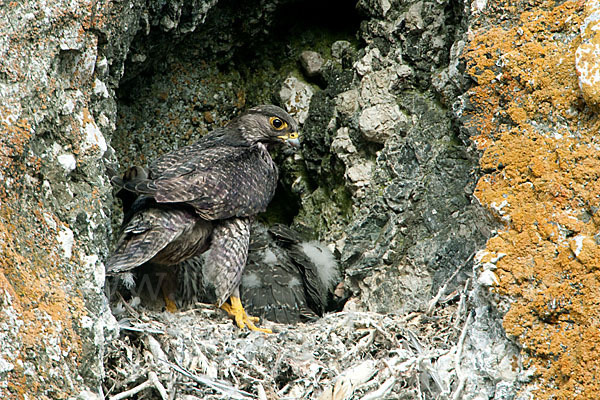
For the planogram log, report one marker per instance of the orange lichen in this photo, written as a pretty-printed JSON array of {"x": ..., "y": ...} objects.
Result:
[
  {"x": 541, "y": 141},
  {"x": 32, "y": 273}
]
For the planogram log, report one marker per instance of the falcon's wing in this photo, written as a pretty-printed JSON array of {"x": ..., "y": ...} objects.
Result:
[
  {"x": 272, "y": 287},
  {"x": 316, "y": 288},
  {"x": 209, "y": 149},
  {"x": 219, "y": 182},
  {"x": 144, "y": 236},
  {"x": 275, "y": 285}
]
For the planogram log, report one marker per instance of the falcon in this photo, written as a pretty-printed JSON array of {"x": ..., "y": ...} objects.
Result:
[
  {"x": 287, "y": 279},
  {"x": 204, "y": 197}
]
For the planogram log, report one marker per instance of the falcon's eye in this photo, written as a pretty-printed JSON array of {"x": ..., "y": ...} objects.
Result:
[{"x": 277, "y": 123}]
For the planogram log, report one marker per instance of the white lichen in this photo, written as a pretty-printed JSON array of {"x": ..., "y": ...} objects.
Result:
[{"x": 66, "y": 239}]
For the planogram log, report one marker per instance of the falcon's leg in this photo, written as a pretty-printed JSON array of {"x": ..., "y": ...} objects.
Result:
[{"x": 236, "y": 310}]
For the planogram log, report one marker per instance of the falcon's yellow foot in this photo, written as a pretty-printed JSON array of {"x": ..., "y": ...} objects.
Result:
[
  {"x": 236, "y": 310},
  {"x": 169, "y": 303}
]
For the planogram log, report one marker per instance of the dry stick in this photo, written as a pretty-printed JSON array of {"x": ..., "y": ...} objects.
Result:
[
  {"x": 442, "y": 290},
  {"x": 131, "y": 310},
  {"x": 362, "y": 344},
  {"x": 382, "y": 391},
  {"x": 131, "y": 392},
  {"x": 457, "y": 358},
  {"x": 161, "y": 389},
  {"x": 132, "y": 377},
  {"x": 254, "y": 367},
  {"x": 219, "y": 386},
  {"x": 171, "y": 386},
  {"x": 262, "y": 395},
  {"x": 142, "y": 330},
  {"x": 462, "y": 304},
  {"x": 151, "y": 382}
]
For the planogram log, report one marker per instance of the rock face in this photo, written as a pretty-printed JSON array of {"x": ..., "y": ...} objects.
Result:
[
  {"x": 532, "y": 111},
  {"x": 448, "y": 158},
  {"x": 53, "y": 200}
]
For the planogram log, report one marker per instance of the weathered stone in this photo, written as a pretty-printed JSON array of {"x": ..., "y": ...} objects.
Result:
[
  {"x": 359, "y": 175},
  {"x": 378, "y": 123},
  {"x": 367, "y": 62},
  {"x": 311, "y": 62},
  {"x": 342, "y": 144},
  {"x": 296, "y": 96},
  {"x": 339, "y": 47},
  {"x": 375, "y": 87},
  {"x": 586, "y": 56},
  {"x": 60, "y": 65},
  {"x": 375, "y": 7},
  {"x": 532, "y": 76},
  {"x": 347, "y": 103}
]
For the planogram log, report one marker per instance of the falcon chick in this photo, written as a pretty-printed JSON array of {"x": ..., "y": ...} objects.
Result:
[
  {"x": 287, "y": 279},
  {"x": 204, "y": 196}
]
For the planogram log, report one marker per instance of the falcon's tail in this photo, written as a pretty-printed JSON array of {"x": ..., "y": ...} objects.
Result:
[{"x": 132, "y": 174}]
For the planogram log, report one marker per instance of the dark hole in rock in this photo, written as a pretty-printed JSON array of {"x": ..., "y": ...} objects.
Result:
[{"x": 177, "y": 88}]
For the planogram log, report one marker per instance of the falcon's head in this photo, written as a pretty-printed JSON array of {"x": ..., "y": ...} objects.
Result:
[{"x": 267, "y": 124}]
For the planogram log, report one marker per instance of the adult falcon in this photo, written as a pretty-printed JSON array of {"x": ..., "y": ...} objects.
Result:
[{"x": 203, "y": 197}]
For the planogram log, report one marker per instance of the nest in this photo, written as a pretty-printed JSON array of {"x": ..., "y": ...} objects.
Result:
[{"x": 201, "y": 354}]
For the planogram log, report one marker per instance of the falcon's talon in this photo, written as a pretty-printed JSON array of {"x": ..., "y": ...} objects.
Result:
[
  {"x": 236, "y": 310},
  {"x": 167, "y": 293},
  {"x": 170, "y": 305}
]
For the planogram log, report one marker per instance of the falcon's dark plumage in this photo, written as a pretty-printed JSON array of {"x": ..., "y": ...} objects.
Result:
[
  {"x": 286, "y": 279},
  {"x": 201, "y": 197}
]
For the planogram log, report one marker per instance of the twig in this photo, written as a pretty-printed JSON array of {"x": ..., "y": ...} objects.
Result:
[
  {"x": 382, "y": 391},
  {"x": 151, "y": 382},
  {"x": 414, "y": 340},
  {"x": 384, "y": 333},
  {"x": 283, "y": 390},
  {"x": 363, "y": 344},
  {"x": 219, "y": 386},
  {"x": 277, "y": 363},
  {"x": 143, "y": 330},
  {"x": 442, "y": 290},
  {"x": 161, "y": 389},
  {"x": 131, "y": 310},
  {"x": 462, "y": 304},
  {"x": 262, "y": 395},
  {"x": 254, "y": 367},
  {"x": 133, "y": 328},
  {"x": 457, "y": 359},
  {"x": 131, "y": 392},
  {"x": 171, "y": 385}
]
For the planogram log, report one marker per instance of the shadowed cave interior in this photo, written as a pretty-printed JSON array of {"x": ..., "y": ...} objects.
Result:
[{"x": 176, "y": 88}]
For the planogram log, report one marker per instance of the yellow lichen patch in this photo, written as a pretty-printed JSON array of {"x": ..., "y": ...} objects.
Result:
[{"x": 540, "y": 141}]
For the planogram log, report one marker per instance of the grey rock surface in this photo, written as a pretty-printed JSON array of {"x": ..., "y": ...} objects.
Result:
[
  {"x": 312, "y": 62},
  {"x": 385, "y": 176},
  {"x": 296, "y": 96}
]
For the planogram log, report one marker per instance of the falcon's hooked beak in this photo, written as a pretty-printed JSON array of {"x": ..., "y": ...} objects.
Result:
[{"x": 291, "y": 139}]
